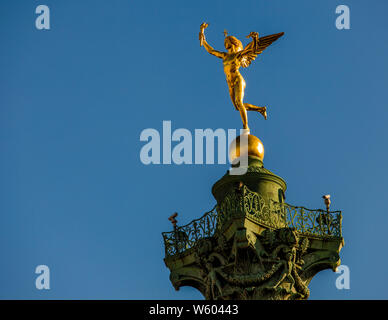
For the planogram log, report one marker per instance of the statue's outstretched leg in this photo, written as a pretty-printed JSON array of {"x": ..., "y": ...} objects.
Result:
[
  {"x": 244, "y": 117},
  {"x": 238, "y": 95},
  {"x": 262, "y": 110}
]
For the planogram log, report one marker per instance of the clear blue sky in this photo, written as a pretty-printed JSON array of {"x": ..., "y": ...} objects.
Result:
[{"x": 74, "y": 100}]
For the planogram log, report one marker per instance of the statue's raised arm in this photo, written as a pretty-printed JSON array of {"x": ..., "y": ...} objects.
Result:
[
  {"x": 257, "y": 46},
  {"x": 203, "y": 42}
]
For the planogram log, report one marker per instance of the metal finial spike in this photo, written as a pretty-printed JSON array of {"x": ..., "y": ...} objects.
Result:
[
  {"x": 326, "y": 199},
  {"x": 172, "y": 219},
  {"x": 225, "y": 33}
]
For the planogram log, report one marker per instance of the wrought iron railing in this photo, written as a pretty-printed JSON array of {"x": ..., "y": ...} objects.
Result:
[
  {"x": 185, "y": 237},
  {"x": 314, "y": 222},
  {"x": 268, "y": 213},
  {"x": 276, "y": 215},
  {"x": 244, "y": 202}
]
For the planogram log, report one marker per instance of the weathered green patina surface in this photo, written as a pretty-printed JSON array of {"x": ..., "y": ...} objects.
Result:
[{"x": 253, "y": 245}]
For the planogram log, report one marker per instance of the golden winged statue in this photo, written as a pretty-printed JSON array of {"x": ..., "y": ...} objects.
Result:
[{"x": 237, "y": 56}]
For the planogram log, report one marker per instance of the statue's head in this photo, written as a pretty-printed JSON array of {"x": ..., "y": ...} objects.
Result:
[{"x": 233, "y": 44}]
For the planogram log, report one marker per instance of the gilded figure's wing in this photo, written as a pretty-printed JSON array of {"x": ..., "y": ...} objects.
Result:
[{"x": 250, "y": 52}]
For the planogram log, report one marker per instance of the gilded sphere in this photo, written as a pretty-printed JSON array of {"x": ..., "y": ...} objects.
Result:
[{"x": 255, "y": 148}]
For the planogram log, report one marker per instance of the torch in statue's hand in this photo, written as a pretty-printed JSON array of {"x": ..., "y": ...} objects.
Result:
[
  {"x": 201, "y": 33},
  {"x": 255, "y": 38},
  {"x": 253, "y": 35}
]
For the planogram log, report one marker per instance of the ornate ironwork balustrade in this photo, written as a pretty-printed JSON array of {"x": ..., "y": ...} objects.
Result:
[
  {"x": 268, "y": 213},
  {"x": 185, "y": 237}
]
